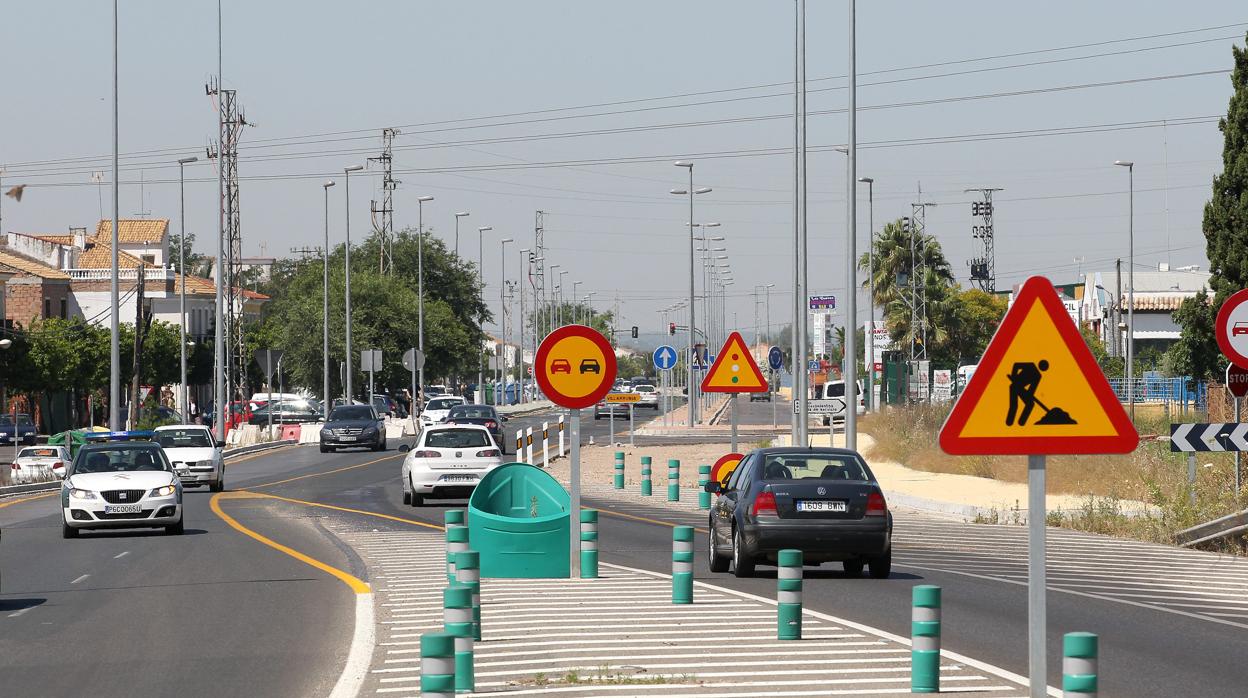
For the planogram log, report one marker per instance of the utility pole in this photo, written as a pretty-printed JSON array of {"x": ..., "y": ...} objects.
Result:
[
  {"x": 235, "y": 360},
  {"x": 385, "y": 226},
  {"x": 142, "y": 320},
  {"x": 539, "y": 277},
  {"x": 983, "y": 267}
]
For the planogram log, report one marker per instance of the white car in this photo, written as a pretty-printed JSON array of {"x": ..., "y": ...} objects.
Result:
[
  {"x": 436, "y": 409},
  {"x": 128, "y": 484},
  {"x": 40, "y": 463},
  {"x": 649, "y": 395},
  {"x": 195, "y": 454},
  {"x": 447, "y": 462}
]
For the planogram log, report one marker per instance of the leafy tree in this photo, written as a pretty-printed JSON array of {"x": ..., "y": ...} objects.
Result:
[
  {"x": 975, "y": 314},
  {"x": 196, "y": 263},
  {"x": 898, "y": 254},
  {"x": 1196, "y": 354}
]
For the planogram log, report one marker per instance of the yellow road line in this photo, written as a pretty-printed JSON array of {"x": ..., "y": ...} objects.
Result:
[
  {"x": 643, "y": 519},
  {"x": 27, "y": 499},
  {"x": 356, "y": 584},
  {"x": 327, "y": 472},
  {"x": 353, "y": 511}
]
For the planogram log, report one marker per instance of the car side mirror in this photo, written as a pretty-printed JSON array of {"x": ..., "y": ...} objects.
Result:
[
  {"x": 220, "y": 443},
  {"x": 505, "y": 418},
  {"x": 713, "y": 487}
]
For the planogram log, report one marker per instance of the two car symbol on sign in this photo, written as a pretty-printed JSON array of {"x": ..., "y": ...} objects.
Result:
[{"x": 587, "y": 366}]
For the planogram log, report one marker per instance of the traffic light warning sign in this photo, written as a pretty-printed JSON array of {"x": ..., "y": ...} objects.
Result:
[
  {"x": 734, "y": 370},
  {"x": 1037, "y": 390}
]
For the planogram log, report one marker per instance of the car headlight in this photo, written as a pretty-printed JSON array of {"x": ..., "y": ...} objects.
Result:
[
  {"x": 81, "y": 494},
  {"x": 370, "y": 430},
  {"x": 163, "y": 491}
]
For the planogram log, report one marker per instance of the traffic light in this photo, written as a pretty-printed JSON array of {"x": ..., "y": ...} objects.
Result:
[
  {"x": 634, "y": 332},
  {"x": 671, "y": 328}
]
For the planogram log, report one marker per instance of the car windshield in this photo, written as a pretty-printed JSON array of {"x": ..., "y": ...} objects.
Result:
[
  {"x": 184, "y": 438},
  {"x": 644, "y": 389},
  {"x": 806, "y": 466},
  {"x": 42, "y": 452},
  {"x": 471, "y": 412},
  {"x": 121, "y": 458},
  {"x": 23, "y": 420},
  {"x": 443, "y": 404},
  {"x": 352, "y": 412},
  {"x": 457, "y": 438},
  {"x": 834, "y": 390}
]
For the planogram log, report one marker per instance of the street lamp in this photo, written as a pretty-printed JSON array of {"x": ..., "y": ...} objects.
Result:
[
  {"x": 347, "y": 265},
  {"x": 459, "y": 215},
  {"x": 1130, "y": 282},
  {"x": 420, "y": 287},
  {"x": 524, "y": 257},
  {"x": 693, "y": 411},
  {"x": 550, "y": 314},
  {"x": 561, "y": 303},
  {"x": 325, "y": 307},
  {"x": 869, "y": 337},
  {"x": 184, "y": 396},
  {"x": 502, "y": 314},
  {"x": 576, "y": 309},
  {"x": 481, "y": 282}
]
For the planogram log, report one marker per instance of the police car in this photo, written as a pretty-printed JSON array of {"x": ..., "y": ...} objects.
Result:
[{"x": 121, "y": 480}]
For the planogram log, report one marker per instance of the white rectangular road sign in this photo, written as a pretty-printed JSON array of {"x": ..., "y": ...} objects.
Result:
[{"x": 832, "y": 406}]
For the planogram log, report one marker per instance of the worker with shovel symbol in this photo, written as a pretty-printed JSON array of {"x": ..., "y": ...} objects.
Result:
[{"x": 1024, "y": 380}]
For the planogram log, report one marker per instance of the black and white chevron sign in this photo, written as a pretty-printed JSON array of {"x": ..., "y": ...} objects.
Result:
[{"x": 1218, "y": 436}]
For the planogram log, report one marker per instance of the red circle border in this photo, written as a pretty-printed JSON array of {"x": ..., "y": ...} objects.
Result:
[{"x": 608, "y": 374}]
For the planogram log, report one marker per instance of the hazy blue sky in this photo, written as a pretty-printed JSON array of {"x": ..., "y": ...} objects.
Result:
[{"x": 307, "y": 69}]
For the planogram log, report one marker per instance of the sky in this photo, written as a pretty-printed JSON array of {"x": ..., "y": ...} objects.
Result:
[{"x": 579, "y": 109}]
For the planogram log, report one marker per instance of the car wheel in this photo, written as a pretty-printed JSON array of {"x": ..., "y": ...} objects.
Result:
[
  {"x": 325, "y": 449},
  {"x": 715, "y": 562},
  {"x": 742, "y": 565},
  {"x": 882, "y": 565},
  {"x": 407, "y": 498},
  {"x": 219, "y": 485},
  {"x": 177, "y": 528},
  {"x": 418, "y": 500},
  {"x": 68, "y": 531},
  {"x": 853, "y": 568}
]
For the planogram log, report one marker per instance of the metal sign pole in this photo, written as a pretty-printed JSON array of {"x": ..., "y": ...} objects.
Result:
[
  {"x": 1036, "y": 613},
  {"x": 733, "y": 398},
  {"x": 611, "y": 420},
  {"x": 1237, "y": 452},
  {"x": 574, "y": 479},
  {"x": 630, "y": 425},
  {"x": 1191, "y": 477}
]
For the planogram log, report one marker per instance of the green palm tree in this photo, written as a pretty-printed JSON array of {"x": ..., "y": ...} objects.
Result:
[{"x": 896, "y": 255}]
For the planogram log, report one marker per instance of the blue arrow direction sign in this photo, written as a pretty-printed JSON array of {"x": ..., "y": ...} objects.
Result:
[
  {"x": 664, "y": 357},
  {"x": 775, "y": 358}
]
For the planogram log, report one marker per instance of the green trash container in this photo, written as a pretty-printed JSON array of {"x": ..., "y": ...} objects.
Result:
[{"x": 519, "y": 521}]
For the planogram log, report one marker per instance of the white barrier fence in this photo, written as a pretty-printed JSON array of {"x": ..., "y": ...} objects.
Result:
[{"x": 531, "y": 446}]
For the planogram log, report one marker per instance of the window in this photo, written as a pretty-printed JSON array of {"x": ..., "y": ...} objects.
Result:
[
  {"x": 148, "y": 258},
  {"x": 734, "y": 481},
  {"x": 184, "y": 438},
  {"x": 348, "y": 412},
  {"x": 805, "y": 466},
  {"x": 64, "y": 309},
  {"x": 457, "y": 438},
  {"x": 47, "y": 307}
]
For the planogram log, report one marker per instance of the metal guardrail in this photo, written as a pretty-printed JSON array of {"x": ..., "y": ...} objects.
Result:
[{"x": 1229, "y": 525}]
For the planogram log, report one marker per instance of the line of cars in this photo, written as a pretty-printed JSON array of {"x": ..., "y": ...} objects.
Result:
[{"x": 648, "y": 398}]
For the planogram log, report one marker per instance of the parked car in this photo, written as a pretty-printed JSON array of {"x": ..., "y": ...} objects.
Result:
[
  {"x": 649, "y": 395},
  {"x": 761, "y": 397},
  {"x": 195, "y": 454},
  {"x": 17, "y": 427},
  {"x": 387, "y": 406},
  {"x": 437, "y": 408},
  {"x": 352, "y": 426},
  {"x": 40, "y": 463},
  {"x": 286, "y": 412},
  {"x": 432, "y": 391},
  {"x": 480, "y": 415},
  {"x": 833, "y": 389},
  {"x": 121, "y": 484},
  {"x": 447, "y": 462},
  {"x": 825, "y": 502}
]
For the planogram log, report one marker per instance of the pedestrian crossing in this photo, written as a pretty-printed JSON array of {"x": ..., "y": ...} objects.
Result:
[{"x": 620, "y": 636}]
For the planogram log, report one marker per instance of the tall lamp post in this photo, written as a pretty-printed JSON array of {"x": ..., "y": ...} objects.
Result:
[
  {"x": 851, "y": 242},
  {"x": 459, "y": 215},
  {"x": 525, "y": 253},
  {"x": 869, "y": 337},
  {"x": 693, "y": 408},
  {"x": 325, "y": 396},
  {"x": 184, "y": 397},
  {"x": 562, "y": 319},
  {"x": 550, "y": 314},
  {"x": 420, "y": 290},
  {"x": 114, "y": 369},
  {"x": 1130, "y": 282},
  {"x": 350, "y": 365},
  {"x": 576, "y": 309},
  {"x": 502, "y": 316},
  {"x": 481, "y": 282}
]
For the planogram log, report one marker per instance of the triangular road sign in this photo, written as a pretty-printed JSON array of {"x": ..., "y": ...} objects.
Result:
[
  {"x": 734, "y": 370},
  {"x": 1037, "y": 390}
]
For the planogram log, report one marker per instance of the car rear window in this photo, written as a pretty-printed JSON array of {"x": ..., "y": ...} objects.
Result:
[
  {"x": 469, "y": 412},
  {"x": 39, "y": 453},
  {"x": 457, "y": 438},
  {"x": 813, "y": 467},
  {"x": 443, "y": 404}
]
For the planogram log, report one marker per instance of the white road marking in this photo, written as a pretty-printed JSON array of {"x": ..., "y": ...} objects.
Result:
[
  {"x": 358, "y": 657},
  {"x": 120, "y": 555},
  {"x": 18, "y": 613},
  {"x": 80, "y": 579}
]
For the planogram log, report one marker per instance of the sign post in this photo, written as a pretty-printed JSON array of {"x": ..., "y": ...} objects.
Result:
[
  {"x": 414, "y": 361},
  {"x": 575, "y": 368},
  {"x": 664, "y": 360},
  {"x": 775, "y": 359},
  {"x": 370, "y": 360},
  {"x": 269, "y": 360},
  {"x": 1037, "y": 359},
  {"x": 734, "y": 371},
  {"x": 1237, "y": 386}
]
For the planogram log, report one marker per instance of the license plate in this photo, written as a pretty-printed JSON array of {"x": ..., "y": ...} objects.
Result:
[
  {"x": 346, "y": 438},
  {"x": 820, "y": 505},
  {"x": 459, "y": 478},
  {"x": 121, "y": 509}
]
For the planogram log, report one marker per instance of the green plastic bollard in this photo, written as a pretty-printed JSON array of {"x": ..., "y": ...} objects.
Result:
[
  {"x": 925, "y": 639},
  {"x": 1079, "y": 653},
  {"x": 682, "y": 564},
  {"x": 589, "y": 543},
  {"x": 704, "y": 497},
  {"x": 453, "y": 516},
  {"x": 457, "y": 621},
  {"x": 456, "y": 542},
  {"x": 646, "y": 486},
  {"x": 673, "y": 480},
  {"x": 468, "y": 573},
  {"x": 619, "y": 470},
  {"x": 437, "y": 665},
  {"x": 789, "y": 595}
]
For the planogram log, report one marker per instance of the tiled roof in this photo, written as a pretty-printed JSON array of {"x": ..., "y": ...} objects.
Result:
[
  {"x": 133, "y": 230},
  {"x": 30, "y": 266},
  {"x": 54, "y": 239},
  {"x": 254, "y": 295},
  {"x": 195, "y": 285},
  {"x": 1158, "y": 301},
  {"x": 99, "y": 256}
]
